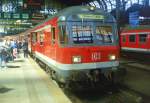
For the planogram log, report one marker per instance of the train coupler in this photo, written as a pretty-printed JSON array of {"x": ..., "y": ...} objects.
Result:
[{"x": 94, "y": 75}]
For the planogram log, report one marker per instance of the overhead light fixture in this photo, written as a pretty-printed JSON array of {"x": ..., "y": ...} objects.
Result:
[
  {"x": 18, "y": 21},
  {"x": 92, "y": 8}
]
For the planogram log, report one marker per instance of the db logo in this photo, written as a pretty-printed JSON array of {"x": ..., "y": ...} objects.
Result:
[{"x": 96, "y": 56}]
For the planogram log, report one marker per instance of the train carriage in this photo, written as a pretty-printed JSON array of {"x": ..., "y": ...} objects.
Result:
[
  {"x": 136, "y": 39},
  {"x": 78, "y": 43}
]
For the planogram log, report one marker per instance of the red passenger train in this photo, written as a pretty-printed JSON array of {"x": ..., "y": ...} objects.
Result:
[
  {"x": 76, "y": 44},
  {"x": 136, "y": 39}
]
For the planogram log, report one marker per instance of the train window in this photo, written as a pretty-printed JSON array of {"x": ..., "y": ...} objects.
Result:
[
  {"x": 131, "y": 38},
  {"x": 123, "y": 38},
  {"x": 82, "y": 34},
  {"x": 53, "y": 35},
  {"x": 41, "y": 38},
  {"x": 104, "y": 34},
  {"x": 142, "y": 38},
  {"x": 34, "y": 37},
  {"x": 63, "y": 36}
]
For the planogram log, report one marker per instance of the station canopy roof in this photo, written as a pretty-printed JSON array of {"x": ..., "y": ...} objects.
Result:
[
  {"x": 75, "y": 2},
  {"x": 17, "y": 16}
]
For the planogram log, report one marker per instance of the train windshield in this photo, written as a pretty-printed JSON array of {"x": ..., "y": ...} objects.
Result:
[
  {"x": 88, "y": 34},
  {"x": 82, "y": 34},
  {"x": 104, "y": 34}
]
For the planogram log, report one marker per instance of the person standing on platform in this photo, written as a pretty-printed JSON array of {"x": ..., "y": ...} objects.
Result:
[
  {"x": 13, "y": 49},
  {"x": 1, "y": 43},
  {"x": 3, "y": 54},
  {"x": 25, "y": 48}
]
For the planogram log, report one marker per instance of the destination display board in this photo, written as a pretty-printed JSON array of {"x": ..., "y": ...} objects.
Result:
[{"x": 90, "y": 16}]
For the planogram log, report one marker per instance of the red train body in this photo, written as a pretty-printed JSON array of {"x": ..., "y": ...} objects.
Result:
[
  {"x": 136, "y": 39},
  {"x": 76, "y": 43}
]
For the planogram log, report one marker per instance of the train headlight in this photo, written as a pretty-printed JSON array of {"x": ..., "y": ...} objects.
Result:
[
  {"x": 112, "y": 57},
  {"x": 76, "y": 59}
]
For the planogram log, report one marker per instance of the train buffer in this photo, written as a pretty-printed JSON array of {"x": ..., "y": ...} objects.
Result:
[{"x": 24, "y": 82}]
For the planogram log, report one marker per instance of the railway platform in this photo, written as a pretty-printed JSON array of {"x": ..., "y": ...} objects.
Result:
[{"x": 24, "y": 82}]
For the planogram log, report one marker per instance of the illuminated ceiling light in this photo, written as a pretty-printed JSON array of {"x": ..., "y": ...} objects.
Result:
[
  {"x": 92, "y": 8},
  {"x": 18, "y": 21}
]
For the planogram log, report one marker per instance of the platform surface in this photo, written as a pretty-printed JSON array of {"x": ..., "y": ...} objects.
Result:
[{"x": 23, "y": 81}]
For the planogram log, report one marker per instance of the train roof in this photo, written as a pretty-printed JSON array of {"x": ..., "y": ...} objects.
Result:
[
  {"x": 74, "y": 10},
  {"x": 135, "y": 29},
  {"x": 80, "y": 9},
  {"x": 138, "y": 27}
]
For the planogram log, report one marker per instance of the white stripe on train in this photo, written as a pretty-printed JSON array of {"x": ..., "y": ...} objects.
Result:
[
  {"x": 81, "y": 66},
  {"x": 135, "y": 49}
]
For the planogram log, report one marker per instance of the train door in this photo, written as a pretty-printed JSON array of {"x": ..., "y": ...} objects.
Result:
[
  {"x": 123, "y": 40},
  {"x": 33, "y": 42},
  {"x": 53, "y": 42},
  {"x": 29, "y": 42},
  {"x": 148, "y": 41},
  {"x": 143, "y": 41},
  {"x": 41, "y": 41}
]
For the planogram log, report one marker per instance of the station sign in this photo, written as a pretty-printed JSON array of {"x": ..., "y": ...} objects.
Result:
[
  {"x": 134, "y": 18},
  {"x": 25, "y": 16},
  {"x": 16, "y": 15},
  {"x": 3, "y": 22},
  {"x": 35, "y": 16},
  {"x": 4, "y": 15},
  {"x": 7, "y": 15},
  {"x": 38, "y": 16},
  {"x": 33, "y": 4}
]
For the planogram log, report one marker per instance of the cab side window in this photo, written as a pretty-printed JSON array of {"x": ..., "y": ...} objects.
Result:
[
  {"x": 142, "y": 38},
  {"x": 41, "y": 37},
  {"x": 63, "y": 38},
  {"x": 132, "y": 38}
]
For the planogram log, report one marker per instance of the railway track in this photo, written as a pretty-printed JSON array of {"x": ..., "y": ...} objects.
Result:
[
  {"x": 137, "y": 78},
  {"x": 143, "y": 58},
  {"x": 117, "y": 94},
  {"x": 127, "y": 92},
  {"x": 135, "y": 63},
  {"x": 113, "y": 94}
]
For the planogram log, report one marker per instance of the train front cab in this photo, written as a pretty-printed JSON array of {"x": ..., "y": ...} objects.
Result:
[
  {"x": 81, "y": 44},
  {"x": 89, "y": 46}
]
